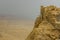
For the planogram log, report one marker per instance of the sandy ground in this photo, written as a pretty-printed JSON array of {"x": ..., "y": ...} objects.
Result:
[{"x": 15, "y": 29}]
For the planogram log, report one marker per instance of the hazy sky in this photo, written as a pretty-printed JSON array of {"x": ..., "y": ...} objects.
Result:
[{"x": 23, "y": 9}]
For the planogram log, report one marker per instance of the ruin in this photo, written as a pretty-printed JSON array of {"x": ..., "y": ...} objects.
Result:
[{"x": 47, "y": 25}]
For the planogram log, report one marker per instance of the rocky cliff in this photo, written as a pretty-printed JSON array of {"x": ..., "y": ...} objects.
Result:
[{"x": 47, "y": 25}]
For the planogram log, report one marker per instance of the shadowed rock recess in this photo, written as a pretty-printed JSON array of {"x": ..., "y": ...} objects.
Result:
[{"x": 47, "y": 25}]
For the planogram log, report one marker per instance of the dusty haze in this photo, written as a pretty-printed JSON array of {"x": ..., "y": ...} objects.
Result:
[{"x": 17, "y": 17}]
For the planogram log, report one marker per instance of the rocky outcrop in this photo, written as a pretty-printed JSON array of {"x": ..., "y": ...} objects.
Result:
[{"x": 47, "y": 25}]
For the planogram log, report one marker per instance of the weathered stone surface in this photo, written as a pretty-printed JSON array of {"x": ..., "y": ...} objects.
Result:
[{"x": 47, "y": 25}]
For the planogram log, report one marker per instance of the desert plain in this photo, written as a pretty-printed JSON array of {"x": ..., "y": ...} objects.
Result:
[{"x": 15, "y": 29}]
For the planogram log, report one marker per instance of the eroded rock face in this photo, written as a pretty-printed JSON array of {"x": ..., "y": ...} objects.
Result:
[{"x": 47, "y": 25}]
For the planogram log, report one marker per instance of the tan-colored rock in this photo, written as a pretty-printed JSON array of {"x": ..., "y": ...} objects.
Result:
[{"x": 47, "y": 25}]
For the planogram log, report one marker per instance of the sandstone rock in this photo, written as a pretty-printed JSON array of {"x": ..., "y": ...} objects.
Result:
[{"x": 47, "y": 25}]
